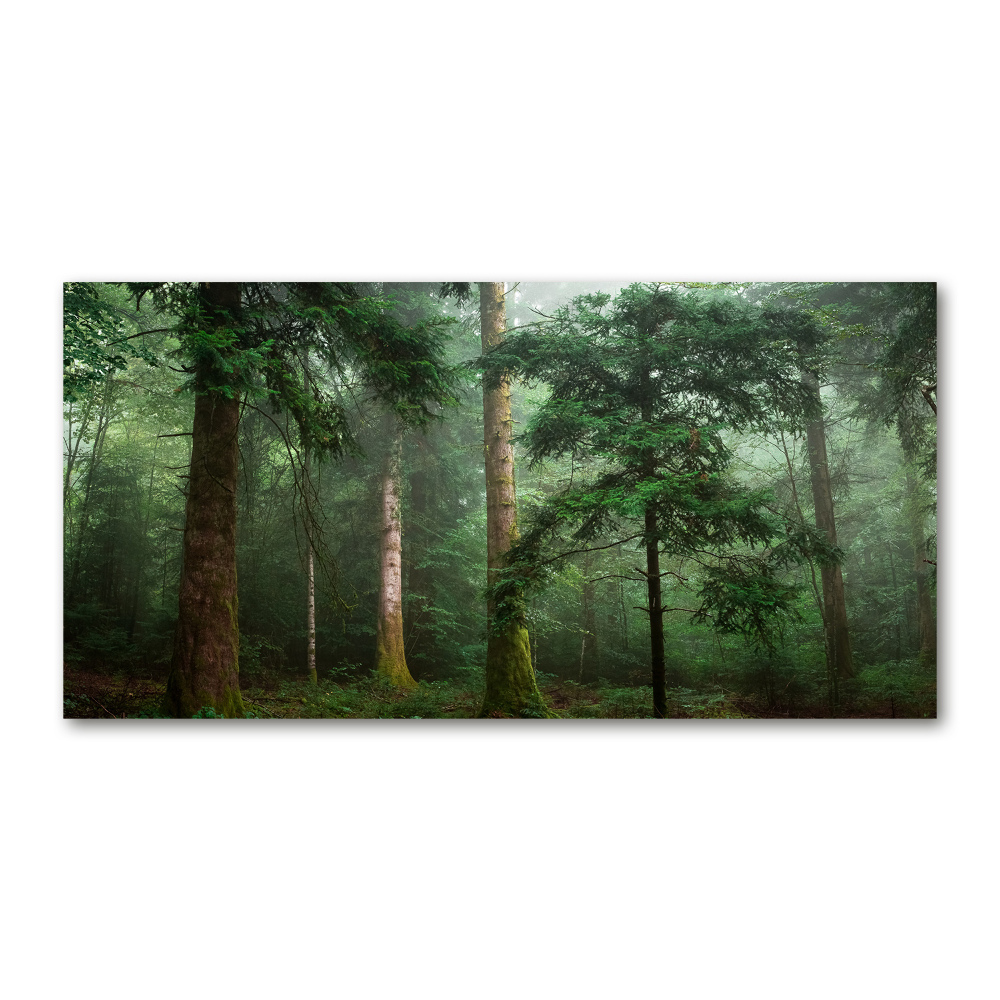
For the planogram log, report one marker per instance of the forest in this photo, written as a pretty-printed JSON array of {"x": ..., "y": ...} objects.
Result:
[{"x": 544, "y": 500}]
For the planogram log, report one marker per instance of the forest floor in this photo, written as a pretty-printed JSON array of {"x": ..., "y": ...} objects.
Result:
[{"x": 91, "y": 694}]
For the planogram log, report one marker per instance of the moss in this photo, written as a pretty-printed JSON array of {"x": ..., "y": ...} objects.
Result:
[
  {"x": 394, "y": 668},
  {"x": 511, "y": 689}
]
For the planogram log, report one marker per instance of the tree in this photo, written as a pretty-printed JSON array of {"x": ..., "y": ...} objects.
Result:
[
  {"x": 926, "y": 626},
  {"x": 880, "y": 346},
  {"x": 390, "y": 653},
  {"x": 840, "y": 660},
  {"x": 510, "y": 678},
  {"x": 205, "y": 666},
  {"x": 310, "y": 559},
  {"x": 242, "y": 341},
  {"x": 895, "y": 335},
  {"x": 643, "y": 388},
  {"x": 96, "y": 341}
]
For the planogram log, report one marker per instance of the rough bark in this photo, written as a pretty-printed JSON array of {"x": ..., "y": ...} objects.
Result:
[
  {"x": 390, "y": 656},
  {"x": 510, "y": 679},
  {"x": 838, "y": 639},
  {"x": 926, "y": 626},
  {"x": 205, "y": 666}
]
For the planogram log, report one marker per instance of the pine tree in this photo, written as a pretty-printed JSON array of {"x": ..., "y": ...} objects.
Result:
[
  {"x": 643, "y": 389},
  {"x": 242, "y": 342},
  {"x": 511, "y": 688}
]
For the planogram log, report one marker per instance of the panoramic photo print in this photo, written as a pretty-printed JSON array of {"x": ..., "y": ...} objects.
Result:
[{"x": 658, "y": 500}]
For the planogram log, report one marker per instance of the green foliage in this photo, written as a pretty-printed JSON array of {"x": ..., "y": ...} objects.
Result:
[
  {"x": 882, "y": 351},
  {"x": 731, "y": 537},
  {"x": 904, "y": 687},
  {"x": 97, "y": 337},
  {"x": 643, "y": 386},
  {"x": 93, "y": 637},
  {"x": 260, "y": 351},
  {"x": 207, "y": 712}
]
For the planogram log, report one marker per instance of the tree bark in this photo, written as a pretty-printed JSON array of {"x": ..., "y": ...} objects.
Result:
[
  {"x": 656, "y": 649},
  {"x": 589, "y": 654},
  {"x": 510, "y": 679},
  {"x": 926, "y": 626},
  {"x": 838, "y": 639},
  {"x": 657, "y": 656},
  {"x": 390, "y": 655},
  {"x": 205, "y": 666},
  {"x": 103, "y": 422},
  {"x": 419, "y": 581},
  {"x": 311, "y": 674}
]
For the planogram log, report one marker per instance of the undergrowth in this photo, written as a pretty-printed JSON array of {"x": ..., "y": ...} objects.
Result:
[{"x": 900, "y": 690}]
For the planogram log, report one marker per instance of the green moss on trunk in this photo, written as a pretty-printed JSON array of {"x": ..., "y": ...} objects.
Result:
[
  {"x": 511, "y": 689},
  {"x": 393, "y": 669}
]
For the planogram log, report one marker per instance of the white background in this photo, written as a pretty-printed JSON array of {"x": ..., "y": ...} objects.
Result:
[{"x": 524, "y": 141}]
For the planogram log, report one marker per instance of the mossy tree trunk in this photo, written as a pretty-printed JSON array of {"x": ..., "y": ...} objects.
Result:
[
  {"x": 390, "y": 656},
  {"x": 205, "y": 666},
  {"x": 838, "y": 638},
  {"x": 510, "y": 678}
]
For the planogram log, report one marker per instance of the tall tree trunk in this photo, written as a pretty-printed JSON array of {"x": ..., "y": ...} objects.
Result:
[
  {"x": 657, "y": 656},
  {"x": 927, "y": 629},
  {"x": 656, "y": 651},
  {"x": 134, "y": 614},
  {"x": 895, "y": 594},
  {"x": 510, "y": 679},
  {"x": 621, "y": 601},
  {"x": 838, "y": 639},
  {"x": 589, "y": 655},
  {"x": 420, "y": 581},
  {"x": 205, "y": 667},
  {"x": 310, "y": 567},
  {"x": 103, "y": 421},
  {"x": 390, "y": 656}
]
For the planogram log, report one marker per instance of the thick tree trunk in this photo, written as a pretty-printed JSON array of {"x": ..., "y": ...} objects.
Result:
[
  {"x": 390, "y": 657},
  {"x": 838, "y": 639},
  {"x": 205, "y": 666},
  {"x": 510, "y": 679},
  {"x": 926, "y": 626}
]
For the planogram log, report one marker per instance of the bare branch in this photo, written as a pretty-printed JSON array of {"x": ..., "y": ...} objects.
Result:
[{"x": 596, "y": 548}]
